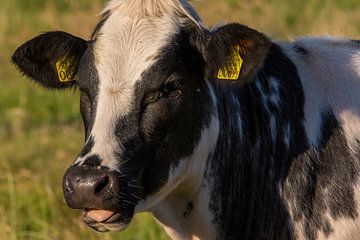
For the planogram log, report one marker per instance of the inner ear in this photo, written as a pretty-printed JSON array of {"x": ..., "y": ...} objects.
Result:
[
  {"x": 229, "y": 43},
  {"x": 51, "y": 59}
]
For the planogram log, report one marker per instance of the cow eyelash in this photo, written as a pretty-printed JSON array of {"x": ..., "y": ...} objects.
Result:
[
  {"x": 170, "y": 86},
  {"x": 153, "y": 97},
  {"x": 169, "y": 89}
]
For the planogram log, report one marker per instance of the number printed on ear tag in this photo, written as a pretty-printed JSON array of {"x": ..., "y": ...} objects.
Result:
[
  {"x": 232, "y": 72},
  {"x": 65, "y": 70}
]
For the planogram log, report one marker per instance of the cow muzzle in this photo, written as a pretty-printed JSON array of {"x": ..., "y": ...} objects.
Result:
[{"x": 108, "y": 205}]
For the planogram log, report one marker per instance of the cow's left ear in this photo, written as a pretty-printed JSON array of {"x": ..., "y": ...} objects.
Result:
[
  {"x": 234, "y": 53},
  {"x": 51, "y": 59}
]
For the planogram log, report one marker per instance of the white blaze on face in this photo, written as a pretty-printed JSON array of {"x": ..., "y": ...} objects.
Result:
[{"x": 125, "y": 48}]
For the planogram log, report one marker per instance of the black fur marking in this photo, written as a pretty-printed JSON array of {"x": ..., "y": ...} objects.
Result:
[
  {"x": 251, "y": 171},
  {"x": 37, "y": 58},
  {"x": 301, "y": 49},
  {"x": 188, "y": 209},
  {"x": 104, "y": 17},
  {"x": 93, "y": 161},
  {"x": 248, "y": 170},
  {"x": 88, "y": 147},
  {"x": 88, "y": 83},
  {"x": 329, "y": 176},
  {"x": 168, "y": 115}
]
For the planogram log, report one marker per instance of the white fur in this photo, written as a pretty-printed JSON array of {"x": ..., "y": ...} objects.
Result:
[
  {"x": 274, "y": 98},
  {"x": 273, "y": 125},
  {"x": 287, "y": 134},
  {"x": 344, "y": 229},
  {"x": 264, "y": 96},
  {"x": 330, "y": 75},
  {"x": 240, "y": 124},
  {"x": 237, "y": 111},
  {"x": 275, "y": 92},
  {"x": 154, "y": 8}
]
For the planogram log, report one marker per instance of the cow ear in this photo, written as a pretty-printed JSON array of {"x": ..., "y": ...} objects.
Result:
[
  {"x": 51, "y": 59},
  {"x": 235, "y": 52}
]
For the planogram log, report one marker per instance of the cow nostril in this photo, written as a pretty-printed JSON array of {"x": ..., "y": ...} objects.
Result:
[{"x": 101, "y": 185}]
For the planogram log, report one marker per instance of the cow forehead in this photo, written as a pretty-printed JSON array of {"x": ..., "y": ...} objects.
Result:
[
  {"x": 128, "y": 42},
  {"x": 132, "y": 35},
  {"x": 126, "y": 47}
]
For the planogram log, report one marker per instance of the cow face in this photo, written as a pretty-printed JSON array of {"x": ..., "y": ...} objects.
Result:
[{"x": 145, "y": 101}]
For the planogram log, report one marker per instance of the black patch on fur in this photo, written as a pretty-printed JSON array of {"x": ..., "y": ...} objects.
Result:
[
  {"x": 37, "y": 58},
  {"x": 104, "y": 17},
  {"x": 167, "y": 118},
  {"x": 300, "y": 49},
  {"x": 92, "y": 161},
  {"x": 88, "y": 147},
  {"x": 251, "y": 171},
  {"x": 188, "y": 209},
  {"x": 329, "y": 174},
  {"x": 248, "y": 170},
  {"x": 88, "y": 84}
]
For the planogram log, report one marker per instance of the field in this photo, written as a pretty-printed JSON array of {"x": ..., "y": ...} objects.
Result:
[{"x": 41, "y": 132}]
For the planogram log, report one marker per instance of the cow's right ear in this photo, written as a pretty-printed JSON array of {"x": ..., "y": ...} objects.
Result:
[{"x": 51, "y": 59}]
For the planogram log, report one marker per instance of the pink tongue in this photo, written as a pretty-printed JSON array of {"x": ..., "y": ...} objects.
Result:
[{"x": 100, "y": 215}]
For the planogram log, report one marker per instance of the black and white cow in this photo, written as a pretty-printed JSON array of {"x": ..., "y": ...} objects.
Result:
[{"x": 221, "y": 134}]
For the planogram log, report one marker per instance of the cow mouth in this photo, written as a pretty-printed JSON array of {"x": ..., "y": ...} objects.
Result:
[{"x": 105, "y": 220}]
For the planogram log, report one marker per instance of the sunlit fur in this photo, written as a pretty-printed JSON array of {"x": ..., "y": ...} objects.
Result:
[
  {"x": 127, "y": 45},
  {"x": 330, "y": 75}
]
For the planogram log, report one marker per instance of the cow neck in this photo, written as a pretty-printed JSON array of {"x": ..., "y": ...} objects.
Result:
[{"x": 252, "y": 155}]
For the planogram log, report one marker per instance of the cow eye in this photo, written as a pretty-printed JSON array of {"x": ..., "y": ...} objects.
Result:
[
  {"x": 170, "y": 86},
  {"x": 170, "y": 89},
  {"x": 153, "y": 97}
]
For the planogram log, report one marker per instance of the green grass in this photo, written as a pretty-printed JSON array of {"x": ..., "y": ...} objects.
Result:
[{"x": 41, "y": 132}]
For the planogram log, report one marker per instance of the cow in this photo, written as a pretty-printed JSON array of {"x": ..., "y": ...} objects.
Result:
[{"x": 220, "y": 133}]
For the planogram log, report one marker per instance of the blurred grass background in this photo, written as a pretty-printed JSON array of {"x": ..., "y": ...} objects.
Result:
[{"x": 41, "y": 132}]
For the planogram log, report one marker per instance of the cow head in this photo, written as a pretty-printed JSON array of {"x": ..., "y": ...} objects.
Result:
[{"x": 147, "y": 104}]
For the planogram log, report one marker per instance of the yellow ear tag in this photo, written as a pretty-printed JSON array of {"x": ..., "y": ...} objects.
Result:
[
  {"x": 232, "y": 72},
  {"x": 64, "y": 70}
]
